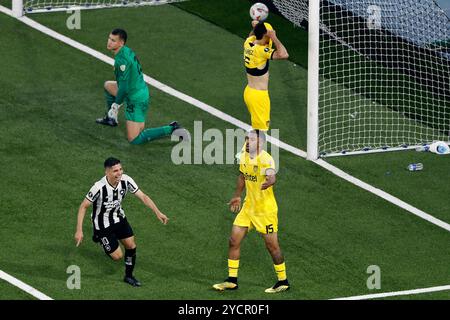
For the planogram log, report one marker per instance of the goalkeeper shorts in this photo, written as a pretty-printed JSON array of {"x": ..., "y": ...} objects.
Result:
[
  {"x": 258, "y": 105},
  {"x": 136, "y": 111}
]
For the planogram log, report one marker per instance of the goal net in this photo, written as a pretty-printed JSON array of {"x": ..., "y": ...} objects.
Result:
[
  {"x": 383, "y": 73},
  {"x": 36, "y": 6}
]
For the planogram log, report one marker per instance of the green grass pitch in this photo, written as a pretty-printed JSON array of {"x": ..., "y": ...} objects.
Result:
[{"x": 52, "y": 152}]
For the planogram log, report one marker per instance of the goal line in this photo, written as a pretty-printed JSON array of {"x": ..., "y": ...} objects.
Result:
[
  {"x": 238, "y": 123},
  {"x": 219, "y": 114}
]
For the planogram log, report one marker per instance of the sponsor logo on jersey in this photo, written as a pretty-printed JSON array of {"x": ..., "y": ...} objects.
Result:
[
  {"x": 112, "y": 204},
  {"x": 250, "y": 177}
]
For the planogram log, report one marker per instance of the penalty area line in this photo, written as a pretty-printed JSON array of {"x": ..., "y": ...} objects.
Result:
[
  {"x": 396, "y": 293},
  {"x": 225, "y": 117},
  {"x": 23, "y": 286},
  {"x": 238, "y": 123}
]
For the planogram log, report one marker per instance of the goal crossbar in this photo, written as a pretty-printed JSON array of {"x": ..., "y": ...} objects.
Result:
[{"x": 21, "y": 7}]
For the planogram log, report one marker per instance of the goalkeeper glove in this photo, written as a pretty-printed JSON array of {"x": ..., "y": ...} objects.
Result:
[{"x": 114, "y": 111}]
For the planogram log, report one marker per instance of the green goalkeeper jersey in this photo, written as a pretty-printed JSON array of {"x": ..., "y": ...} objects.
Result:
[{"x": 129, "y": 77}]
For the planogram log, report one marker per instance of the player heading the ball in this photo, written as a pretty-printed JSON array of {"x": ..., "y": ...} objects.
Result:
[{"x": 258, "y": 51}]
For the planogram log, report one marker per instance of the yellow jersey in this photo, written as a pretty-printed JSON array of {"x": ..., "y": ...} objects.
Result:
[
  {"x": 257, "y": 201},
  {"x": 256, "y": 56}
]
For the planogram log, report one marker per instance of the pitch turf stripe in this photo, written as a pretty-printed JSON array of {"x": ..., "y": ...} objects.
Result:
[
  {"x": 219, "y": 114},
  {"x": 153, "y": 82},
  {"x": 23, "y": 286},
  {"x": 382, "y": 194},
  {"x": 396, "y": 293}
]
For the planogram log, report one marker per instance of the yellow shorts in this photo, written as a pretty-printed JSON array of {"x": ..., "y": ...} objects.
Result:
[
  {"x": 263, "y": 223},
  {"x": 258, "y": 104}
]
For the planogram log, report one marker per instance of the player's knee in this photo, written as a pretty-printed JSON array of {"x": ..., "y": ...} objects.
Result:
[
  {"x": 111, "y": 87},
  {"x": 117, "y": 256},
  {"x": 131, "y": 139},
  {"x": 132, "y": 135},
  {"x": 135, "y": 137},
  {"x": 233, "y": 242},
  {"x": 130, "y": 245}
]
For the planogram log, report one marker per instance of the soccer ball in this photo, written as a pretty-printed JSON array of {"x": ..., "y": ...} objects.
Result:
[{"x": 259, "y": 11}]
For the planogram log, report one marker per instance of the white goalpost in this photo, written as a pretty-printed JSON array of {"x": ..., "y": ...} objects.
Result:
[
  {"x": 378, "y": 74},
  {"x": 21, "y": 7},
  {"x": 378, "y": 70}
]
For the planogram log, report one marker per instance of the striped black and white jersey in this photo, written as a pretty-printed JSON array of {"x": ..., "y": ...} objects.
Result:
[{"x": 107, "y": 200}]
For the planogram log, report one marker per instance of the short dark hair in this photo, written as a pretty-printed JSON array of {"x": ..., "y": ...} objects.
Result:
[
  {"x": 260, "y": 30},
  {"x": 259, "y": 133},
  {"x": 121, "y": 33},
  {"x": 111, "y": 162}
]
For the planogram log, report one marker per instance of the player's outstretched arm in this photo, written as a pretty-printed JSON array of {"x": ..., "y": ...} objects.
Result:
[
  {"x": 270, "y": 179},
  {"x": 254, "y": 23},
  {"x": 81, "y": 213},
  {"x": 281, "y": 52},
  {"x": 149, "y": 203},
  {"x": 235, "y": 202}
]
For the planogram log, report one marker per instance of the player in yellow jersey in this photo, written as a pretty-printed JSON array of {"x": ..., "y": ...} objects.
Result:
[
  {"x": 258, "y": 51},
  {"x": 260, "y": 211}
]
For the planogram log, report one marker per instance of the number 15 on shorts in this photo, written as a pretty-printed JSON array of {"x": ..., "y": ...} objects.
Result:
[{"x": 269, "y": 228}]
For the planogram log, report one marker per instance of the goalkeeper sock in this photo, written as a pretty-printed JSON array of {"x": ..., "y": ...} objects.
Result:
[
  {"x": 280, "y": 270},
  {"x": 152, "y": 134},
  {"x": 110, "y": 99},
  {"x": 233, "y": 268},
  {"x": 130, "y": 261}
]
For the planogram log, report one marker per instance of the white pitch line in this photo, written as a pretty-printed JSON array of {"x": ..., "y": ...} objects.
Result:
[
  {"x": 382, "y": 194},
  {"x": 396, "y": 293},
  {"x": 153, "y": 82},
  {"x": 23, "y": 286},
  {"x": 219, "y": 114},
  {"x": 238, "y": 123}
]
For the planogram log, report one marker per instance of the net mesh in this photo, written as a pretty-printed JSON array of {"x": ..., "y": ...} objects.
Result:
[
  {"x": 31, "y": 6},
  {"x": 384, "y": 72}
]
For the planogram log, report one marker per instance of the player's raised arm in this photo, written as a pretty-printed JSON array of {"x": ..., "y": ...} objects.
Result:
[
  {"x": 81, "y": 213},
  {"x": 149, "y": 203},
  {"x": 281, "y": 51},
  {"x": 254, "y": 23}
]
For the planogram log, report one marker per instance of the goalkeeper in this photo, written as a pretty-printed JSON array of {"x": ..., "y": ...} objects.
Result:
[{"x": 130, "y": 88}]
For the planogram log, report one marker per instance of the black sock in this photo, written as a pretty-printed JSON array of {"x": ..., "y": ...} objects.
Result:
[
  {"x": 130, "y": 261},
  {"x": 232, "y": 279}
]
